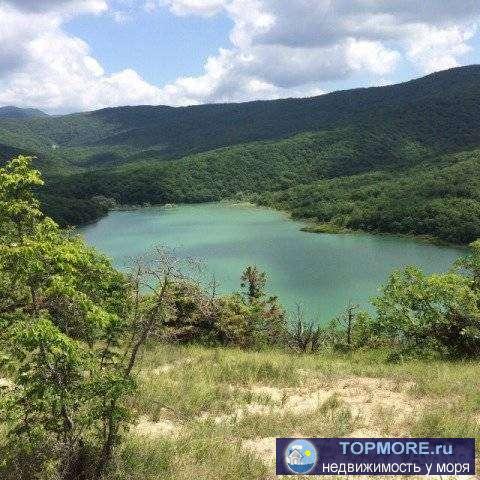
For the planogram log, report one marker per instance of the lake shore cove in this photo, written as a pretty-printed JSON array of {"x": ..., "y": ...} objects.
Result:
[
  {"x": 308, "y": 225},
  {"x": 427, "y": 201}
]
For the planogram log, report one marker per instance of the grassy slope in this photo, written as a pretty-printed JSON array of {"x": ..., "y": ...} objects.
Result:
[{"x": 193, "y": 400}]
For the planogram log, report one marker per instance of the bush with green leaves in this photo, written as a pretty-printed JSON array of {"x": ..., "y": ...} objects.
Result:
[
  {"x": 71, "y": 327},
  {"x": 435, "y": 314}
]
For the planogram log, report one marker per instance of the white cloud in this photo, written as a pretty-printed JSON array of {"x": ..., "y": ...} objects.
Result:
[
  {"x": 196, "y": 7},
  {"x": 60, "y": 6},
  {"x": 205, "y": 8},
  {"x": 286, "y": 47},
  {"x": 278, "y": 48},
  {"x": 42, "y": 66},
  {"x": 439, "y": 48},
  {"x": 366, "y": 55}
]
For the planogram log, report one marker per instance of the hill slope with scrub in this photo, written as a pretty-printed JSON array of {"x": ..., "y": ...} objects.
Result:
[{"x": 115, "y": 376}]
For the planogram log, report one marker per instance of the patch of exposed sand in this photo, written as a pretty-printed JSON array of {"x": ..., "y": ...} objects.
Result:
[
  {"x": 377, "y": 405},
  {"x": 161, "y": 428},
  {"x": 375, "y": 402},
  {"x": 5, "y": 383},
  {"x": 372, "y": 402}
]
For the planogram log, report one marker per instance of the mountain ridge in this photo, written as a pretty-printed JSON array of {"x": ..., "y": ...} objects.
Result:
[
  {"x": 172, "y": 132},
  {"x": 474, "y": 68},
  {"x": 10, "y": 111}
]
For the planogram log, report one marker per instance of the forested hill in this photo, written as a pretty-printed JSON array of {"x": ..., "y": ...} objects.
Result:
[
  {"x": 280, "y": 152},
  {"x": 440, "y": 110},
  {"x": 16, "y": 112}
]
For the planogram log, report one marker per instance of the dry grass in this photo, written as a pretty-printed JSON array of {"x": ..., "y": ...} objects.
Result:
[{"x": 195, "y": 400}]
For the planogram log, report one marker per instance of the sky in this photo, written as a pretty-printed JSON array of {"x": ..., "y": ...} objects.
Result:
[{"x": 74, "y": 55}]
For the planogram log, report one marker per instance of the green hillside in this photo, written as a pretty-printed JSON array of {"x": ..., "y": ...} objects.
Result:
[
  {"x": 384, "y": 159},
  {"x": 15, "y": 112},
  {"x": 440, "y": 200},
  {"x": 439, "y": 110}
]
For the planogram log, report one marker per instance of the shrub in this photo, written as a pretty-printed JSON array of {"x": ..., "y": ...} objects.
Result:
[{"x": 429, "y": 313}]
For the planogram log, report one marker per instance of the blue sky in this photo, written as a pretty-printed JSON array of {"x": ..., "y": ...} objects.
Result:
[
  {"x": 76, "y": 55},
  {"x": 159, "y": 45}
]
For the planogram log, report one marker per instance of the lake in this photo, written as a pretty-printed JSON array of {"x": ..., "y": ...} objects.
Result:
[{"x": 321, "y": 272}]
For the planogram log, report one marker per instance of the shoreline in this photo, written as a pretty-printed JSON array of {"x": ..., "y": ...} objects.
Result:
[
  {"x": 315, "y": 227},
  {"x": 306, "y": 225}
]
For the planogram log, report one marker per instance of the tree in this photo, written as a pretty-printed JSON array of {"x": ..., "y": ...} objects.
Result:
[
  {"x": 304, "y": 336},
  {"x": 71, "y": 327},
  {"x": 470, "y": 265},
  {"x": 436, "y": 314},
  {"x": 343, "y": 331},
  {"x": 157, "y": 272},
  {"x": 236, "y": 320},
  {"x": 254, "y": 281}
]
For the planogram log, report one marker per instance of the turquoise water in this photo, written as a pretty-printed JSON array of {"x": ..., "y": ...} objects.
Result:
[{"x": 320, "y": 272}]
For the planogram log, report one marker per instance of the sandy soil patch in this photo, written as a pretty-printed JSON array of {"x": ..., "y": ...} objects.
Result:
[
  {"x": 161, "y": 428},
  {"x": 367, "y": 399},
  {"x": 370, "y": 400},
  {"x": 5, "y": 383},
  {"x": 374, "y": 401},
  {"x": 376, "y": 404}
]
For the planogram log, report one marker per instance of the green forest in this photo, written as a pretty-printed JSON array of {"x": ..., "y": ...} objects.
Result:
[{"x": 395, "y": 159}]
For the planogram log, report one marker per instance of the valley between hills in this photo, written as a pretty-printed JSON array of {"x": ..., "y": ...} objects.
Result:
[{"x": 394, "y": 159}]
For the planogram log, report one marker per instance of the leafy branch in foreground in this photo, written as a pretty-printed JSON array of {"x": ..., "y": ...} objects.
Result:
[{"x": 71, "y": 330}]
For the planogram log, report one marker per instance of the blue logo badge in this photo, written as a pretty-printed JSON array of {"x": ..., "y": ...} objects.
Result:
[{"x": 300, "y": 456}]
